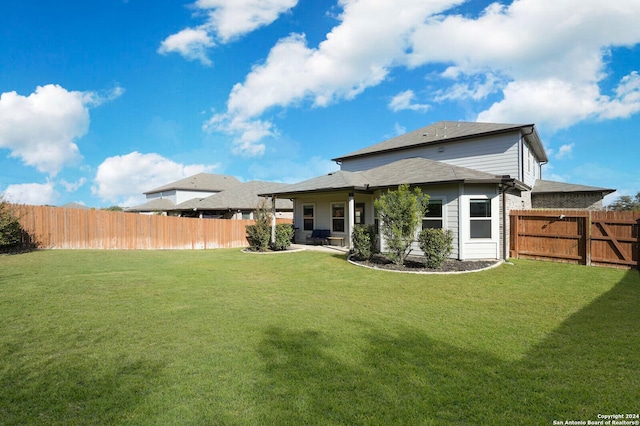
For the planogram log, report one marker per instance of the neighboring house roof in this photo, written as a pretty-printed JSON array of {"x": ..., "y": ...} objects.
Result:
[
  {"x": 449, "y": 131},
  {"x": 414, "y": 171},
  {"x": 200, "y": 182},
  {"x": 155, "y": 205},
  {"x": 551, "y": 187},
  {"x": 241, "y": 197}
]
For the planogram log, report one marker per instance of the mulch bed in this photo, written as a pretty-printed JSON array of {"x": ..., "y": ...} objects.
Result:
[{"x": 415, "y": 264}]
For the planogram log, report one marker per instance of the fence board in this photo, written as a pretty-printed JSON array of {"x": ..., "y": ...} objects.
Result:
[
  {"x": 62, "y": 228},
  {"x": 586, "y": 237}
]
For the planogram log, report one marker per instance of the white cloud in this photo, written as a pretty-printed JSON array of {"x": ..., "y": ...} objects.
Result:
[
  {"x": 31, "y": 193},
  {"x": 547, "y": 57},
  {"x": 564, "y": 151},
  {"x": 341, "y": 67},
  {"x": 42, "y": 129},
  {"x": 225, "y": 20},
  {"x": 405, "y": 100},
  {"x": 248, "y": 133},
  {"x": 191, "y": 44},
  {"x": 230, "y": 19},
  {"x": 72, "y": 186},
  {"x": 123, "y": 179}
]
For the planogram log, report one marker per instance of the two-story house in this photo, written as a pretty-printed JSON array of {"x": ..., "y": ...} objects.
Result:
[{"x": 474, "y": 174}]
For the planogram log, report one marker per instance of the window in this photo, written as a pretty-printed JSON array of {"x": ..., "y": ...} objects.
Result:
[
  {"x": 433, "y": 218},
  {"x": 337, "y": 217},
  {"x": 308, "y": 222},
  {"x": 480, "y": 218},
  {"x": 359, "y": 214}
]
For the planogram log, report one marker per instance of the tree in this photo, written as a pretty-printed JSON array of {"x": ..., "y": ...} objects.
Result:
[
  {"x": 10, "y": 229},
  {"x": 259, "y": 235},
  {"x": 401, "y": 213},
  {"x": 626, "y": 203}
]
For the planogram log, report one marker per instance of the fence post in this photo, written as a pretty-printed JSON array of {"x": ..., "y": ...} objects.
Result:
[
  {"x": 587, "y": 239},
  {"x": 514, "y": 234},
  {"x": 638, "y": 245}
]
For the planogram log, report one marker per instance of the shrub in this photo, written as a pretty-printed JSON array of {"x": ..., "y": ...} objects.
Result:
[
  {"x": 364, "y": 241},
  {"x": 284, "y": 234},
  {"x": 259, "y": 235},
  {"x": 437, "y": 245},
  {"x": 10, "y": 229},
  {"x": 401, "y": 213}
]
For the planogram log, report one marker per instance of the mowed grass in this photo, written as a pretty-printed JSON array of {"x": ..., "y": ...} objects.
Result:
[{"x": 224, "y": 337}]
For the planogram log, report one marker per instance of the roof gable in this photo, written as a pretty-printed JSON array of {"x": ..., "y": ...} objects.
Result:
[
  {"x": 448, "y": 131},
  {"x": 552, "y": 187},
  {"x": 200, "y": 182}
]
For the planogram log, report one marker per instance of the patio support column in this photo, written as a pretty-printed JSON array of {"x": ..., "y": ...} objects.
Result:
[
  {"x": 273, "y": 218},
  {"x": 352, "y": 219}
]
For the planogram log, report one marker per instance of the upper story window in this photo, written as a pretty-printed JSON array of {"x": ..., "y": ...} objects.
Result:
[
  {"x": 433, "y": 218},
  {"x": 337, "y": 217},
  {"x": 480, "y": 218},
  {"x": 308, "y": 217}
]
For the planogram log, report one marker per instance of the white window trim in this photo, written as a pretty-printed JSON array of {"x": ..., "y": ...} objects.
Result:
[
  {"x": 444, "y": 210},
  {"x": 465, "y": 222},
  {"x": 345, "y": 217},
  {"x": 315, "y": 214}
]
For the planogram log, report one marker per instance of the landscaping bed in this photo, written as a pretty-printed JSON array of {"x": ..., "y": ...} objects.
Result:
[{"x": 416, "y": 264}]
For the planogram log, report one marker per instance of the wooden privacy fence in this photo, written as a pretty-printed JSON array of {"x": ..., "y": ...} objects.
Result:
[
  {"x": 600, "y": 238},
  {"x": 62, "y": 228}
]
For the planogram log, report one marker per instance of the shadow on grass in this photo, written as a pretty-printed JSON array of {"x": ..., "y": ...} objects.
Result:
[
  {"x": 588, "y": 365},
  {"x": 80, "y": 392}
]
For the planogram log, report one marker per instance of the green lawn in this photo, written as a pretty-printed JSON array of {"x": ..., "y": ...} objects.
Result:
[{"x": 223, "y": 337}]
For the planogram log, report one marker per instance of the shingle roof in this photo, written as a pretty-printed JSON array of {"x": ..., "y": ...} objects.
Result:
[
  {"x": 551, "y": 187},
  {"x": 155, "y": 205},
  {"x": 415, "y": 171},
  {"x": 200, "y": 182},
  {"x": 448, "y": 131},
  {"x": 240, "y": 197}
]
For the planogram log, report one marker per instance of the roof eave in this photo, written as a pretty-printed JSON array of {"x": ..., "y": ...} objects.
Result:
[{"x": 443, "y": 140}]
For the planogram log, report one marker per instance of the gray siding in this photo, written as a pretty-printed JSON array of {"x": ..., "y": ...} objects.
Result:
[{"x": 496, "y": 155}]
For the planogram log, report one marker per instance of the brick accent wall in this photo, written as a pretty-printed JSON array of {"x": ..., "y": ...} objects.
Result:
[{"x": 576, "y": 200}]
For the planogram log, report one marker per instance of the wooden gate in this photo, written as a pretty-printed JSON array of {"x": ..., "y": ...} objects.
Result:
[{"x": 584, "y": 237}]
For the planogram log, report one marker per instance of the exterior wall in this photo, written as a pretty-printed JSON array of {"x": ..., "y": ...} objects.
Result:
[
  {"x": 322, "y": 213},
  {"x": 480, "y": 248},
  {"x": 449, "y": 195},
  {"x": 183, "y": 195},
  {"x": 496, "y": 155},
  {"x": 169, "y": 195},
  {"x": 530, "y": 166},
  {"x": 576, "y": 200},
  {"x": 180, "y": 196}
]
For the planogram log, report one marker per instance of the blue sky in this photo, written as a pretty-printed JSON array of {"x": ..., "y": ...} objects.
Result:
[{"x": 101, "y": 101}]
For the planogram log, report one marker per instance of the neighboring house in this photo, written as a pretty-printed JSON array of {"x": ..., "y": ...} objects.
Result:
[
  {"x": 548, "y": 194},
  {"x": 240, "y": 202},
  {"x": 474, "y": 174},
  {"x": 161, "y": 200},
  {"x": 212, "y": 196}
]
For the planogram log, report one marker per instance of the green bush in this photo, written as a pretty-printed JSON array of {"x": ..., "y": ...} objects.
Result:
[
  {"x": 401, "y": 213},
  {"x": 259, "y": 235},
  {"x": 284, "y": 234},
  {"x": 10, "y": 229},
  {"x": 437, "y": 245},
  {"x": 364, "y": 242}
]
